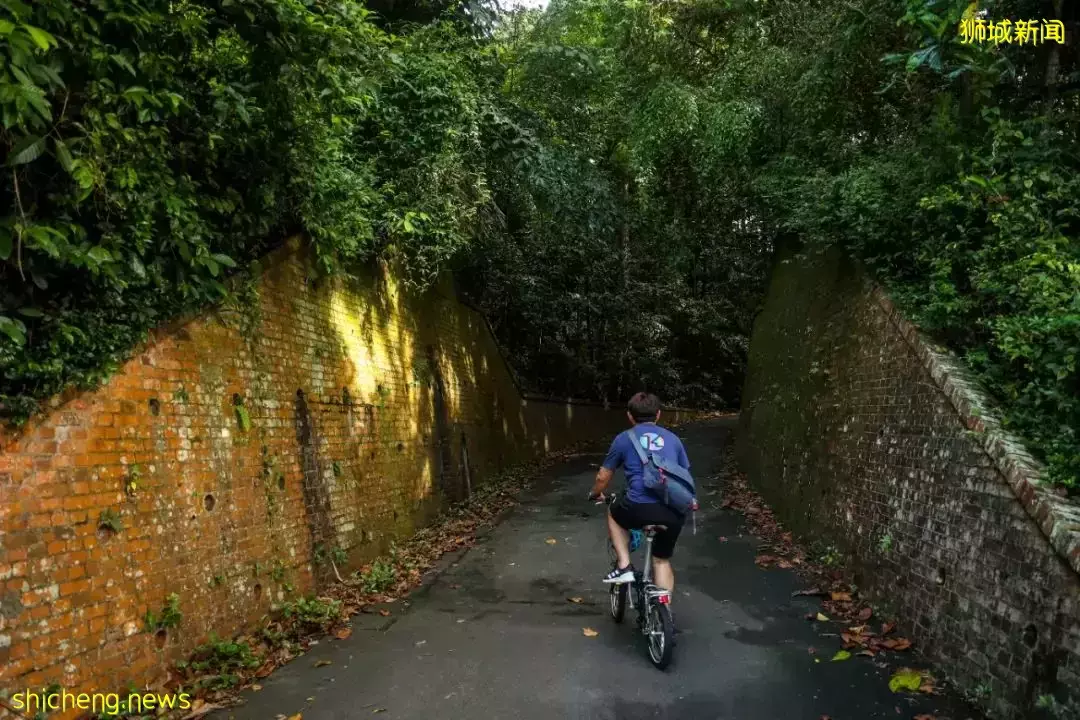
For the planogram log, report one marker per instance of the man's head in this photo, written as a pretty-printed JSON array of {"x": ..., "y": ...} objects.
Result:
[{"x": 643, "y": 407}]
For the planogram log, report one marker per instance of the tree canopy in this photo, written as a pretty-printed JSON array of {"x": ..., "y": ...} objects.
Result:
[{"x": 607, "y": 178}]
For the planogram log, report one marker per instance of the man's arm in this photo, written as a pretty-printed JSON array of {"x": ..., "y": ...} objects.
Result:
[
  {"x": 603, "y": 477},
  {"x": 607, "y": 468}
]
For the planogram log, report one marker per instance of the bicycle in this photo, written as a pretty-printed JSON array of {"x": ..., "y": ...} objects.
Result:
[{"x": 651, "y": 602}]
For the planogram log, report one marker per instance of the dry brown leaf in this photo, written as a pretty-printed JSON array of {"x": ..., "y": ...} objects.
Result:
[
  {"x": 840, "y": 597},
  {"x": 867, "y": 653},
  {"x": 384, "y": 613},
  {"x": 575, "y": 600},
  {"x": 902, "y": 644},
  {"x": 323, "y": 663},
  {"x": 551, "y": 541},
  {"x": 297, "y": 716},
  {"x": 888, "y": 628},
  {"x": 256, "y": 687},
  {"x": 343, "y": 633},
  {"x": 589, "y": 632}
]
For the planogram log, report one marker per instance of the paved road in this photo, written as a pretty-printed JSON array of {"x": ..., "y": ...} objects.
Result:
[{"x": 495, "y": 636}]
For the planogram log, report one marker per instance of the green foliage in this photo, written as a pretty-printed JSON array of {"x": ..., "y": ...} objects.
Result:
[
  {"x": 153, "y": 148},
  {"x": 314, "y": 612},
  {"x": 110, "y": 518},
  {"x": 608, "y": 178},
  {"x": 378, "y": 577},
  {"x": 221, "y": 663},
  {"x": 689, "y": 139},
  {"x": 169, "y": 617}
]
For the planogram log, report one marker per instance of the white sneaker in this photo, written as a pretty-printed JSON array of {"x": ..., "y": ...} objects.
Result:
[{"x": 619, "y": 576}]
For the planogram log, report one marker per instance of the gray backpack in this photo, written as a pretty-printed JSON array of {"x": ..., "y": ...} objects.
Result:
[{"x": 669, "y": 481}]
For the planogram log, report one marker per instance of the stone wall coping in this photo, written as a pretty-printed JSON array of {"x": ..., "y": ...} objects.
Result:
[{"x": 1057, "y": 517}]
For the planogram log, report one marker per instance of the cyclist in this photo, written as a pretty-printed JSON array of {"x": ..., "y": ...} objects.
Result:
[{"x": 639, "y": 506}]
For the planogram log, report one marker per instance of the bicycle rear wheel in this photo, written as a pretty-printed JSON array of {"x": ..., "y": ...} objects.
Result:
[{"x": 660, "y": 634}]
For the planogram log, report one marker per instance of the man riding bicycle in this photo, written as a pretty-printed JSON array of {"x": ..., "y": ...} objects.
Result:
[{"x": 640, "y": 506}]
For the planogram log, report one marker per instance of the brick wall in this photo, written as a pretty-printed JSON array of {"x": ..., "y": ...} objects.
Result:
[
  {"x": 862, "y": 433},
  {"x": 237, "y": 450}
]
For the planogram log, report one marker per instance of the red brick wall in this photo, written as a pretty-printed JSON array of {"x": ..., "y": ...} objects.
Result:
[
  {"x": 864, "y": 435},
  {"x": 319, "y": 417}
]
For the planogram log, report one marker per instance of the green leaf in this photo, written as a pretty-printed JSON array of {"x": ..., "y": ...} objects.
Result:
[
  {"x": 123, "y": 62},
  {"x": 906, "y": 679},
  {"x": 224, "y": 260},
  {"x": 31, "y": 312},
  {"x": 6, "y": 26},
  {"x": 26, "y": 150},
  {"x": 63, "y": 155},
  {"x": 99, "y": 254},
  {"x": 43, "y": 39},
  {"x": 841, "y": 655},
  {"x": 13, "y": 329}
]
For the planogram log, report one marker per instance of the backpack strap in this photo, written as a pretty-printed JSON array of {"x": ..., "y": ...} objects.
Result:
[{"x": 637, "y": 446}]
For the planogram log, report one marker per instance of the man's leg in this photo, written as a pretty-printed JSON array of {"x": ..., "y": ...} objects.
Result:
[
  {"x": 620, "y": 538},
  {"x": 663, "y": 574}
]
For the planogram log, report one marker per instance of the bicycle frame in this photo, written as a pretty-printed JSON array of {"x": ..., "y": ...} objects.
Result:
[{"x": 643, "y": 587}]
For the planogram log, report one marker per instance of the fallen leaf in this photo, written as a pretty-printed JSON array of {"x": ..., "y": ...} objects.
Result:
[
  {"x": 811, "y": 591},
  {"x": 784, "y": 564},
  {"x": 343, "y": 634},
  {"x": 865, "y": 614},
  {"x": 384, "y": 613},
  {"x": 256, "y": 687},
  {"x": 575, "y": 600},
  {"x": 841, "y": 655},
  {"x": 551, "y": 541},
  {"x": 888, "y": 628},
  {"x": 589, "y": 632},
  {"x": 722, "y": 539},
  {"x": 822, "y": 617},
  {"x": 297, "y": 716},
  {"x": 378, "y": 710},
  {"x": 902, "y": 644},
  {"x": 867, "y": 653},
  {"x": 906, "y": 679},
  {"x": 840, "y": 597},
  {"x": 925, "y": 717}
]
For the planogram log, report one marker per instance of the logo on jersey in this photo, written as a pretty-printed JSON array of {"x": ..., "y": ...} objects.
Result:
[{"x": 652, "y": 442}]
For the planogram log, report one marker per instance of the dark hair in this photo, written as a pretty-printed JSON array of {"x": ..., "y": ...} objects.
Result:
[{"x": 643, "y": 407}]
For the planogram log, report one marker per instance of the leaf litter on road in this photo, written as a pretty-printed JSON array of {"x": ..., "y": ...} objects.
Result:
[
  {"x": 777, "y": 549},
  {"x": 284, "y": 638},
  {"x": 589, "y": 632}
]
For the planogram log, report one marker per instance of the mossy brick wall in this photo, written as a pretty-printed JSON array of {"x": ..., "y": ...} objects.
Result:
[
  {"x": 323, "y": 417},
  {"x": 863, "y": 435}
]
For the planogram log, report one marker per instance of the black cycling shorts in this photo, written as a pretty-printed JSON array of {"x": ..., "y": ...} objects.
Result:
[{"x": 634, "y": 516}]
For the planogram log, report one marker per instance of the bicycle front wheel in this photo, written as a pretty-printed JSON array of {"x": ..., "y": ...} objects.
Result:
[
  {"x": 618, "y": 595},
  {"x": 661, "y": 635}
]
